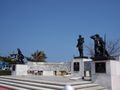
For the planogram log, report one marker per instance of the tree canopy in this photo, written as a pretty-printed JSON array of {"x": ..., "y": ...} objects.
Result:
[
  {"x": 39, "y": 56},
  {"x": 7, "y": 59}
]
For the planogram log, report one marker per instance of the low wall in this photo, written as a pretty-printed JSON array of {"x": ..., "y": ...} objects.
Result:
[{"x": 49, "y": 68}]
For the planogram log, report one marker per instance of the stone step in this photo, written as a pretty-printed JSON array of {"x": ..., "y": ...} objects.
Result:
[
  {"x": 13, "y": 87},
  {"x": 28, "y": 87},
  {"x": 45, "y": 82},
  {"x": 85, "y": 86},
  {"x": 41, "y": 84},
  {"x": 32, "y": 80},
  {"x": 33, "y": 83},
  {"x": 93, "y": 88}
]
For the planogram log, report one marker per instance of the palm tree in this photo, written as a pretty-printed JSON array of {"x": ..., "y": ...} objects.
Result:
[{"x": 39, "y": 56}]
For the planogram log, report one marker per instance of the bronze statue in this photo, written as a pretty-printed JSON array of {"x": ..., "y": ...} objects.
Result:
[
  {"x": 99, "y": 46},
  {"x": 20, "y": 56},
  {"x": 80, "y": 45}
]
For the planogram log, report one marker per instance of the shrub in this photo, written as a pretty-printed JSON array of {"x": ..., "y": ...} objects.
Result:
[{"x": 5, "y": 72}]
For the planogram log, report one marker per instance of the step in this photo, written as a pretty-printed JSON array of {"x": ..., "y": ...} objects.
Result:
[
  {"x": 33, "y": 84},
  {"x": 29, "y": 87},
  {"x": 85, "y": 86},
  {"x": 41, "y": 84},
  {"x": 33, "y": 80},
  {"x": 13, "y": 87},
  {"x": 46, "y": 82},
  {"x": 93, "y": 88},
  {"x": 80, "y": 83}
]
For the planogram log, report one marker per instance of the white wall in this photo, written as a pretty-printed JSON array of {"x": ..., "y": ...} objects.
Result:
[
  {"x": 49, "y": 66},
  {"x": 48, "y": 73},
  {"x": 115, "y": 75}
]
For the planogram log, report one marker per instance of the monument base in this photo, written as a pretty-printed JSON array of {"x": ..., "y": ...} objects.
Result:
[
  {"x": 79, "y": 66},
  {"x": 106, "y": 73},
  {"x": 19, "y": 69}
]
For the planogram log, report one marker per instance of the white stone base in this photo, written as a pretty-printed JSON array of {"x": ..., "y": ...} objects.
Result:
[
  {"x": 110, "y": 79},
  {"x": 81, "y": 62},
  {"x": 20, "y": 70}
]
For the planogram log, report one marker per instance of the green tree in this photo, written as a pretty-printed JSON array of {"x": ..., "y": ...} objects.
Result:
[
  {"x": 7, "y": 59},
  {"x": 113, "y": 47},
  {"x": 39, "y": 56}
]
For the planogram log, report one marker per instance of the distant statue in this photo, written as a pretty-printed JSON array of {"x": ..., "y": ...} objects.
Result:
[
  {"x": 80, "y": 45},
  {"x": 99, "y": 46},
  {"x": 20, "y": 56}
]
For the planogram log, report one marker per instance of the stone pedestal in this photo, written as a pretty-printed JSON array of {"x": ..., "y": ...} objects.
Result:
[
  {"x": 106, "y": 73},
  {"x": 78, "y": 66},
  {"x": 20, "y": 69}
]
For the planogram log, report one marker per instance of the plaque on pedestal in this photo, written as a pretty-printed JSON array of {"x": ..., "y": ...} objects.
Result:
[
  {"x": 76, "y": 66},
  {"x": 100, "y": 67}
]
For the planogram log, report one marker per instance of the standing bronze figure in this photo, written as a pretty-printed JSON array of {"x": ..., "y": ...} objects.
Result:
[{"x": 80, "y": 45}]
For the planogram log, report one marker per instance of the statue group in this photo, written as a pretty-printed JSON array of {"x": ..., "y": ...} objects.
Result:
[
  {"x": 99, "y": 47},
  {"x": 18, "y": 57}
]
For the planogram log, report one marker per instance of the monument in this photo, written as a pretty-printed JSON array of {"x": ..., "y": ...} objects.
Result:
[
  {"x": 78, "y": 65},
  {"x": 19, "y": 67},
  {"x": 18, "y": 57},
  {"x": 105, "y": 69},
  {"x": 101, "y": 69},
  {"x": 99, "y": 48}
]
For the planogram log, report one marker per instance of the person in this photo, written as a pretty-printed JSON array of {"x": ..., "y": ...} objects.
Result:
[{"x": 80, "y": 45}]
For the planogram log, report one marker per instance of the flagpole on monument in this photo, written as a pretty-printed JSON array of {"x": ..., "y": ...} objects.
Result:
[{"x": 104, "y": 42}]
